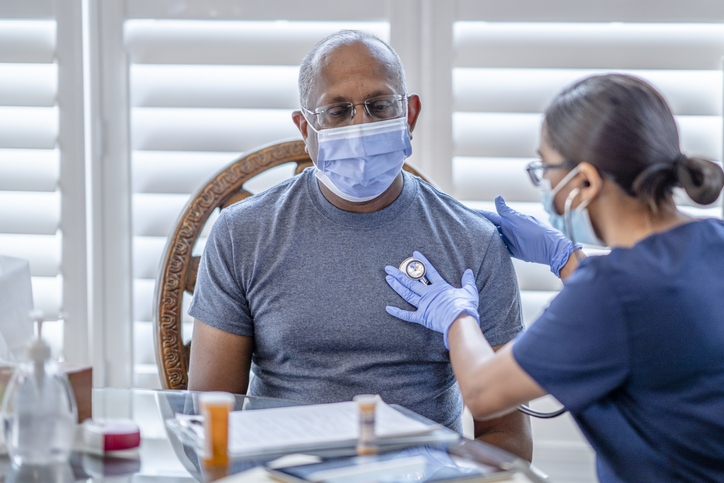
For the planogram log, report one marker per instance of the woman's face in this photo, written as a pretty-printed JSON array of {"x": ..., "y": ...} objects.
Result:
[{"x": 554, "y": 174}]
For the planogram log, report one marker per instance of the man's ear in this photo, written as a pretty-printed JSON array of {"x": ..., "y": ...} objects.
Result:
[
  {"x": 301, "y": 122},
  {"x": 413, "y": 110}
]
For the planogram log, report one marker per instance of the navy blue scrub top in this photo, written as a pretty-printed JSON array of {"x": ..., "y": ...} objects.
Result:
[{"x": 633, "y": 346}]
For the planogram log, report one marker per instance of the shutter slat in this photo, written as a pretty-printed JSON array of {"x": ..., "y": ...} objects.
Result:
[
  {"x": 701, "y": 136},
  {"x": 28, "y": 84},
  {"x": 329, "y": 10},
  {"x": 143, "y": 352},
  {"x": 156, "y": 214},
  {"x": 486, "y": 178},
  {"x": 219, "y": 86},
  {"x": 209, "y": 129},
  {"x": 29, "y": 169},
  {"x": 143, "y": 298},
  {"x": 230, "y": 42},
  {"x": 531, "y": 90},
  {"x": 48, "y": 296},
  {"x": 175, "y": 172},
  {"x": 27, "y": 9},
  {"x": 591, "y": 45},
  {"x": 517, "y": 135},
  {"x": 42, "y": 251},
  {"x": 28, "y": 127},
  {"x": 577, "y": 11},
  {"x": 29, "y": 212},
  {"x": 27, "y": 41},
  {"x": 496, "y": 135},
  {"x": 147, "y": 252}
]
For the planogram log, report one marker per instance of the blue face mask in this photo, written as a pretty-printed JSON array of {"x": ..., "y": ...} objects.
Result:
[
  {"x": 574, "y": 223},
  {"x": 359, "y": 162}
]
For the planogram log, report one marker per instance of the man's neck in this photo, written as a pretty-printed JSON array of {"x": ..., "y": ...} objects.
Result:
[{"x": 371, "y": 206}]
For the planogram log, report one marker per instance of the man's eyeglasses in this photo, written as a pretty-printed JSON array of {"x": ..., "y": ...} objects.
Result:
[
  {"x": 341, "y": 114},
  {"x": 537, "y": 169}
]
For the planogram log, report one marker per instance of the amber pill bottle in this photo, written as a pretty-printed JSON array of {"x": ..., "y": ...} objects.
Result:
[{"x": 215, "y": 408}]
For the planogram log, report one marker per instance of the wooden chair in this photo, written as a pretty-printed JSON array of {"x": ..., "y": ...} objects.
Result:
[{"x": 179, "y": 267}]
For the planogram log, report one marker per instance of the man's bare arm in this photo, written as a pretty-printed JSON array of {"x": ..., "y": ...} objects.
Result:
[
  {"x": 220, "y": 361},
  {"x": 510, "y": 432}
]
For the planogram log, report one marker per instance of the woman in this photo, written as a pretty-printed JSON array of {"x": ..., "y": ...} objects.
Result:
[{"x": 633, "y": 345}]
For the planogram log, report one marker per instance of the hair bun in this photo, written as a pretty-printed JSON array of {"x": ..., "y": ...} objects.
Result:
[{"x": 702, "y": 179}]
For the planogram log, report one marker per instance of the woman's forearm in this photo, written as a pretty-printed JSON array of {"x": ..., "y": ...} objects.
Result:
[
  {"x": 469, "y": 353},
  {"x": 492, "y": 383}
]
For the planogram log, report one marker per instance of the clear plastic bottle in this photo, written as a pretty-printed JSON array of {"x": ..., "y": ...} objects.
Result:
[{"x": 39, "y": 409}]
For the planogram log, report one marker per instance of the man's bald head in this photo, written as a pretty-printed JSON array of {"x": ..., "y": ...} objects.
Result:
[{"x": 316, "y": 57}]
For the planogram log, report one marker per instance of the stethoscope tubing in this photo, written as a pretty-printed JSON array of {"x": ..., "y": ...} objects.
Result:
[{"x": 541, "y": 415}]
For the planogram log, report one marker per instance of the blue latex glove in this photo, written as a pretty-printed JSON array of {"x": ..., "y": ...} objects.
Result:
[
  {"x": 438, "y": 304},
  {"x": 530, "y": 240}
]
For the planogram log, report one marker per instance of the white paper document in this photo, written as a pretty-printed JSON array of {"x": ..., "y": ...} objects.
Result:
[{"x": 254, "y": 431}]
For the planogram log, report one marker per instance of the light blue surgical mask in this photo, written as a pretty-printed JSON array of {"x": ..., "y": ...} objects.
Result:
[
  {"x": 359, "y": 162},
  {"x": 574, "y": 223}
]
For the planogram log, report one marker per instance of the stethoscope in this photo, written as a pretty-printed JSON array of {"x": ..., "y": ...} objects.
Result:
[{"x": 416, "y": 270}]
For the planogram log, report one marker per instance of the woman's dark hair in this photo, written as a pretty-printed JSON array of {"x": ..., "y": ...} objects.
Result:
[{"x": 623, "y": 126}]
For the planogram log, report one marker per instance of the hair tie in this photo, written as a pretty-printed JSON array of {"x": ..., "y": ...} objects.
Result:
[{"x": 679, "y": 161}]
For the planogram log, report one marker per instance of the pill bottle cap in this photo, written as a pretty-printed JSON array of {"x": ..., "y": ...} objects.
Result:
[
  {"x": 366, "y": 400},
  {"x": 217, "y": 398}
]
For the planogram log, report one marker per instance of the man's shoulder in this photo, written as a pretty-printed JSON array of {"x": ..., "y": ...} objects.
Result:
[{"x": 443, "y": 208}]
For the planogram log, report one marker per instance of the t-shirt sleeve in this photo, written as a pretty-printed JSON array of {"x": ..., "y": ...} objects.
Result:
[
  {"x": 219, "y": 300},
  {"x": 499, "y": 305},
  {"x": 578, "y": 349}
]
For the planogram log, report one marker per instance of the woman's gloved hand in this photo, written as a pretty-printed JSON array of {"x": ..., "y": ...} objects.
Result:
[
  {"x": 438, "y": 304},
  {"x": 529, "y": 239}
]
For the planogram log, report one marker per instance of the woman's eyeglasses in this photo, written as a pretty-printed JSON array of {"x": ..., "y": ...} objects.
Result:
[{"x": 537, "y": 169}]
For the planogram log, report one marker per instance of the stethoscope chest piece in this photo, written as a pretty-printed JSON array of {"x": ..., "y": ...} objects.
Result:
[{"x": 414, "y": 269}]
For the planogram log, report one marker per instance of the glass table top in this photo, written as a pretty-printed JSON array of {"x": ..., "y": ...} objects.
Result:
[{"x": 164, "y": 458}]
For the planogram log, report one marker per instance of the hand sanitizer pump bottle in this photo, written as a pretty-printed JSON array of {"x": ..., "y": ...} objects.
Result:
[{"x": 39, "y": 409}]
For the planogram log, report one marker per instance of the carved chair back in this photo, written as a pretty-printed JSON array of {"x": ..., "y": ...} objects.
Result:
[{"x": 177, "y": 274}]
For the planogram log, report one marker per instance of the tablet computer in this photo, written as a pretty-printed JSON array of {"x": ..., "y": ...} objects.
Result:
[{"x": 419, "y": 464}]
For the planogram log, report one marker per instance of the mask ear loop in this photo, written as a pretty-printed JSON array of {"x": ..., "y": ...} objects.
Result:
[
  {"x": 567, "y": 213},
  {"x": 567, "y": 217}
]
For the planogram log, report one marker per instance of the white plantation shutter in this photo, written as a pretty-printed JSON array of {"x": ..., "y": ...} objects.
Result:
[
  {"x": 41, "y": 161},
  {"x": 511, "y": 59}
]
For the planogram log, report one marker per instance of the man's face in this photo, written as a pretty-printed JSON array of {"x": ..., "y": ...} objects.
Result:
[{"x": 351, "y": 73}]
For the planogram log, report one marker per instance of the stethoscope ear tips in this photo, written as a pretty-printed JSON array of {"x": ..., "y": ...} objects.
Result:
[{"x": 414, "y": 269}]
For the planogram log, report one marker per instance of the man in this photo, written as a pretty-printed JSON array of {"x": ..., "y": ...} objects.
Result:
[{"x": 292, "y": 281}]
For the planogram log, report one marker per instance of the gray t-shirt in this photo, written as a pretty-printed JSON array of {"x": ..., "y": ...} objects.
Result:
[{"x": 306, "y": 280}]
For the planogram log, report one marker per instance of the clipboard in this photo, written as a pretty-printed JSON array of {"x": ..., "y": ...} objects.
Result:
[{"x": 318, "y": 427}]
